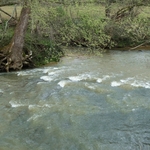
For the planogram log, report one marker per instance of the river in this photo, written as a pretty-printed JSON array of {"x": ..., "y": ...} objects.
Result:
[{"x": 81, "y": 103}]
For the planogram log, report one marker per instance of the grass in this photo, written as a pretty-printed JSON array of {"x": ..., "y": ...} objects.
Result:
[
  {"x": 145, "y": 12},
  {"x": 9, "y": 10},
  {"x": 5, "y": 39},
  {"x": 91, "y": 9}
]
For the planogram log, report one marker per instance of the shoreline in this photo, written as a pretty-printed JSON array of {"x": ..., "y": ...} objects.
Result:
[{"x": 136, "y": 48}]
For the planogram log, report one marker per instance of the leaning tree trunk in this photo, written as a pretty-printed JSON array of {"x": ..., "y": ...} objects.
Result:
[{"x": 15, "y": 48}]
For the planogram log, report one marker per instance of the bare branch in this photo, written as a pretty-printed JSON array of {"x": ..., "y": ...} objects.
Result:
[
  {"x": 133, "y": 48},
  {"x": 7, "y": 14}
]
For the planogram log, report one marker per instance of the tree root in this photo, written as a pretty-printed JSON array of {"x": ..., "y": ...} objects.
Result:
[{"x": 7, "y": 65}]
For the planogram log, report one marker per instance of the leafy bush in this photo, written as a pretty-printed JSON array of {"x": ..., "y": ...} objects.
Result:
[
  {"x": 5, "y": 36},
  {"x": 85, "y": 31},
  {"x": 43, "y": 50},
  {"x": 129, "y": 32},
  {"x": 73, "y": 25}
]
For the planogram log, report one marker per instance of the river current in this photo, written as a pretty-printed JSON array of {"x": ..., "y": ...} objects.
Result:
[{"x": 81, "y": 103}]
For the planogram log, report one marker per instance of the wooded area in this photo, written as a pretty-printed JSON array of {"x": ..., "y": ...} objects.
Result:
[{"x": 45, "y": 26}]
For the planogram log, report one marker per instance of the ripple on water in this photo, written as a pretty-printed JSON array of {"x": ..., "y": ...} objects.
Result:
[{"x": 102, "y": 104}]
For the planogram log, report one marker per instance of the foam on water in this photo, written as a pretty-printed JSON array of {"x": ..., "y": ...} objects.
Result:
[
  {"x": 105, "y": 77},
  {"x": 28, "y": 72},
  {"x": 34, "y": 117},
  {"x": 88, "y": 76},
  {"x": 39, "y": 83},
  {"x": 84, "y": 77},
  {"x": 15, "y": 104},
  {"x": 90, "y": 86},
  {"x": 46, "y": 78},
  {"x": 63, "y": 83},
  {"x": 30, "y": 107},
  {"x": 141, "y": 84},
  {"x": 46, "y": 70},
  {"x": 115, "y": 83},
  {"x": 80, "y": 77},
  {"x": 132, "y": 82},
  {"x": 1, "y": 91},
  {"x": 23, "y": 73},
  {"x": 51, "y": 73},
  {"x": 99, "y": 80}
]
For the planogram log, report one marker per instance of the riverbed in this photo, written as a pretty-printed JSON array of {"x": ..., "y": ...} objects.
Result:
[{"x": 81, "y": 103}]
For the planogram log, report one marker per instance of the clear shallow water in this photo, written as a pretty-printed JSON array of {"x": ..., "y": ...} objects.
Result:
[{"x": 81, "y": 103}]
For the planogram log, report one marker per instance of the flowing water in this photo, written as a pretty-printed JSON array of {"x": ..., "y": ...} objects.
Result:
[{"x": 81, "y": 103}]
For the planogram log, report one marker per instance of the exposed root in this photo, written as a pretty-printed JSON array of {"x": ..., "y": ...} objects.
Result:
[{"x": 6, "y": 63}]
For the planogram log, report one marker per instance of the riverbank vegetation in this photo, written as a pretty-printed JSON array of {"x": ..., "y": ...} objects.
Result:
[{"x": 92, "y": 24}]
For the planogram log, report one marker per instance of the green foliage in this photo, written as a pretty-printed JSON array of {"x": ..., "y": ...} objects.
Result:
[
  {"x": 5, "y": 36},
  {"x": 72, "y": 24},
  {"x": 85, "y": 31},
  {"x": 129, "y": 32},
  {"x": 43, "y": 50},
  {"x": 83, "y": 23}
]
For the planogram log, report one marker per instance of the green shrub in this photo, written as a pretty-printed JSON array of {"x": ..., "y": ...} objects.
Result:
[
  {"x": 74, "y": 25},
  {"x": 129, "y": 32},
  {"x": 43, "y": 50},
  {"x": 85, "y": 31},
  {"x": 5, "y": 36}
]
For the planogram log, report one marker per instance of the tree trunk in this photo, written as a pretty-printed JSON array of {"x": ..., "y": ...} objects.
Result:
[{"x": 15, "y": 48}]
